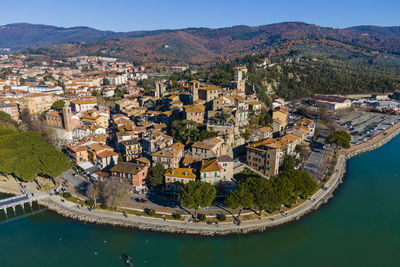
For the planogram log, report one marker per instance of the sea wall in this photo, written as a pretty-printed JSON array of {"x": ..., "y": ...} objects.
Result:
[{"x": 153, "y": 224}]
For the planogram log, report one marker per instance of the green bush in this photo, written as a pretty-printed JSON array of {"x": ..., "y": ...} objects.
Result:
[
  {"x": 201, "y": 217},
  {"x": 176, "y": 216},
  {"x": 90, "y": 202},
  {"x": 150, "y": 212},
  {"x": 67, "y": 195},
  {"x": 221, "y": 217}
]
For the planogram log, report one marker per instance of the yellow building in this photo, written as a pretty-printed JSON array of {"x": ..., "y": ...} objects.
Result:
[
  {"x": 264, "y": 156},
  {"x": 37, "y": 103},
  {"x": 177, "y": 177},
  {"x": 281, "y": 114},
  {"x": 195, "y": 113}
]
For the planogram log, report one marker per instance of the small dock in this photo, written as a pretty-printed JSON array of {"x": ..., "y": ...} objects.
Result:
[{"x": 14, "y": 201}]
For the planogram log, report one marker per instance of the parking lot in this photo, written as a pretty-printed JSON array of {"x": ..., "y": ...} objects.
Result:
[{"x": 365, "y": 125}]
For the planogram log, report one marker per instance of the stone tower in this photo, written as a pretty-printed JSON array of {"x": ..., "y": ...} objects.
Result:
[
  {"x": 67, "y": 117},
  {"x": 194, "y": 86}
]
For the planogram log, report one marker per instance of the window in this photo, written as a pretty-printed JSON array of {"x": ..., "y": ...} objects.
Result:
[
  {"x": 205, "y": 175},
  {"x": 215, "y": 174}
]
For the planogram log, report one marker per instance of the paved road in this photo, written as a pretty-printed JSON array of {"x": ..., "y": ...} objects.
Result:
[{"x": 170, "y": 225}]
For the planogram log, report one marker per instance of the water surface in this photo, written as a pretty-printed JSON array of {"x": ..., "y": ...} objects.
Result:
[{"x": 359, "y": 227}]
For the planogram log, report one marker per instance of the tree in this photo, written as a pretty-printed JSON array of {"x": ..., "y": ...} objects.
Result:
[
  {"x": 27, "y": 155},
  {"x": 156, "y": 176},
  {"x": 258, "y": 187},
  {"x": 197, "y": 194},
  {"x": 279, "y": 191},
  {"x": 94, "y": 192},
  {"x": 288, "y": 163},
  {"x": 188, "y": 132},
  {"x": 106, "y": 81},
  {"x": 58, "y": 105},
  {"x": 303, "y": 185},
  {"x": 239, "y": 198},
  {"x": 114, "y": 194},
  {"x": 339, "y": 139}
]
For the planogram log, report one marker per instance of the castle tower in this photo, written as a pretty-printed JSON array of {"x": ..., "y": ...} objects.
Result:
[
  {"x": 194, "y": 86},
  {"x": 67, "y": 117},
  {"x": 160, "y": 88}
]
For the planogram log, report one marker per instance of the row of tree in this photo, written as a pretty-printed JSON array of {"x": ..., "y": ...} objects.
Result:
[
  {"x": 254, "y": 192},
  {"x": 269, "y": 195}
]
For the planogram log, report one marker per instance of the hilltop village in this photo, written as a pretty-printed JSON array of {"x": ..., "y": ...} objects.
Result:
[{"x": 152, "y": 139}]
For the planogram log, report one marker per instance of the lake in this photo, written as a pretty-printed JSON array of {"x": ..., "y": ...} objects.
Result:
[{"x": 360, "y": 226}]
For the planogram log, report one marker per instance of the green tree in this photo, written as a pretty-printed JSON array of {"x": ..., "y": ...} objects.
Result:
[
  {"x": 58, "y": 105},
  {"x": 258, "y": 188},
  {"x": 303, "y": 185},
  {"x": 156, "y": 175},
  {"x": 187, "y": 132},
  {"x": 106, "y": 81},
  {"x": 288, "y": 163},
  {"x": 239, "y": 198},
  {"x": 27, "y": 155},
  {"x": 196, "y": 194},
  {"x": 339, "y": 139},
  {"x": 279, "y": 191}
]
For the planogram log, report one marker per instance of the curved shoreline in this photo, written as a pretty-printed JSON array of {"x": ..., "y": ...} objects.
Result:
[{"x": 70, "y": 210}]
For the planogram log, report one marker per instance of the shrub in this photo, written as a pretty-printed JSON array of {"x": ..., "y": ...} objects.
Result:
[
  {"x": 90, "y": 202},
  {"x": 176, "y": 216},
  {"x": 221, "y": 217},
  {"x": 150, "y": 212},
  {"x": 201, "y": 217},
  {"x": 67, "y": 195}
]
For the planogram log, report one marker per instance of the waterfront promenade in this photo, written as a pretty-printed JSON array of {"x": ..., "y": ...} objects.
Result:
[{"x": 71, "y": 210}]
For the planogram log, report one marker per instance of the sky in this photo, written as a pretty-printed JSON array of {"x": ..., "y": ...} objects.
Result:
[{"x": 130, "y": 15}]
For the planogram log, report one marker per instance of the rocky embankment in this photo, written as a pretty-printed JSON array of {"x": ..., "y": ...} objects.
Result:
[{"x": 71, "y": 210}]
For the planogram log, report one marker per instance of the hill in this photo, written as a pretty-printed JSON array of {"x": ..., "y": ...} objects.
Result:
[
  {"x": 27, "y": 155},
  {"x": 24, "y": 35},
  {"x": 194, "y": 45}
]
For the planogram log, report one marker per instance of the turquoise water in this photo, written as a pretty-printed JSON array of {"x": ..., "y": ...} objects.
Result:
[{"x": 359, "y": 227}]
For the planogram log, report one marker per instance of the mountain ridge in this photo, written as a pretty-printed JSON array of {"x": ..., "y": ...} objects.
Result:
[{"x": 192, "y": 45}]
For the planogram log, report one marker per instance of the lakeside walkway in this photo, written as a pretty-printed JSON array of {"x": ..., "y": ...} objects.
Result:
[{"x": 70, "y": 209}]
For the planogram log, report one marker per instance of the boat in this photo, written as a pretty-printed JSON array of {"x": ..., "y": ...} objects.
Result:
[{"x": 128, "y": 260}]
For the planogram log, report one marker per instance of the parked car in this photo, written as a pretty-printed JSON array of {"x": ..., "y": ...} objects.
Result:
[{"x": 141, "y": 200}]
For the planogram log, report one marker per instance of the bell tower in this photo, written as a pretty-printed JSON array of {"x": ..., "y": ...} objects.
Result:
[{"x": 67, "y": 117}]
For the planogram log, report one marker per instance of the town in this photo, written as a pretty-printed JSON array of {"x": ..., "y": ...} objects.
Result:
[{"x": 148, "y": 140}]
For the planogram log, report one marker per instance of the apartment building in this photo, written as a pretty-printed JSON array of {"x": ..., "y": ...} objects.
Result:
[{"x": 264, "y": 156}]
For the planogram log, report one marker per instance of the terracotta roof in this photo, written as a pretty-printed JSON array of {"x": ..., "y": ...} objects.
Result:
[
  {"x": 265, "y": 129},
  {"x": 195, "y": 108},
  {"x": 143, "y": 160},
  {"x": 127, "y": 167},
  {"x": 208, "y": 143},
  {"x": 83, "y": 101},
  {"x": 210, "y": 165},
  {"x": 331, "y": 99},
  {"x": 107, "y": 154},
  {"x": 225, "y": 158}
]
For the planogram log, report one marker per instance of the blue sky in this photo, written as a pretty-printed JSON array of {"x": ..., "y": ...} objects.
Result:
[{"x": 127, "y": 15}]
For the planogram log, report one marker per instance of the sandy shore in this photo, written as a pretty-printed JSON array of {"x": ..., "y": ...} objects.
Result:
[{"x": 322, "y": 196}]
